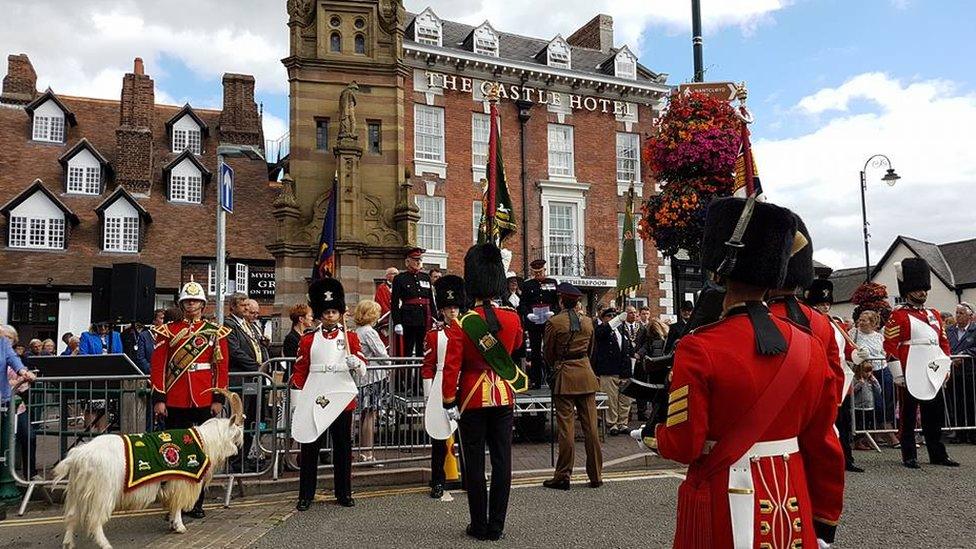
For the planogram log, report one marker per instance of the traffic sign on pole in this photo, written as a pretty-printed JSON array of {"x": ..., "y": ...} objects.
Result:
[
  {"x": 226, "y": 188},
  {"x": 723, "y": 91}
]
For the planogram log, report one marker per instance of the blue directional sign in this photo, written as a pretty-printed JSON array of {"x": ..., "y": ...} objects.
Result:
[{"x": 226, "y": 188}]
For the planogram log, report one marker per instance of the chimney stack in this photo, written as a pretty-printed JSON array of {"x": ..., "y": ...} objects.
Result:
[
  {"x": 20, "y": 83},
  {"x": 134, "y": 139},
  {"x": 597, "y": 34},
  {"x": 240, "y": 123}
]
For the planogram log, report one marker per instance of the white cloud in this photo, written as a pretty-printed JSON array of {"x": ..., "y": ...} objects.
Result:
[
  {"x": 274, "y": 127},
  {"x": 923, "y": 126}
]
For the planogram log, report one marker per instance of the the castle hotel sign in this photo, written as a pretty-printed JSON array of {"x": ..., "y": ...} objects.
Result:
[{"x": 516, "y": 92}]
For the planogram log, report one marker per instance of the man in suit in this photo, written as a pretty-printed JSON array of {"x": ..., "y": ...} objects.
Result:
[
  {"x": 246, "y": 355},
  {"x": 678, "y": 329},
  {"x": 566, "y": 347},
  {"x": 611, "y": 364},
  {"x": 962, "y": 341}
]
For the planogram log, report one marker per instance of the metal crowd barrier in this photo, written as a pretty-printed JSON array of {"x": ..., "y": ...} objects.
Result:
[
  {"x": 59, "y": 413},
  {"x": 883, "y": 419}
]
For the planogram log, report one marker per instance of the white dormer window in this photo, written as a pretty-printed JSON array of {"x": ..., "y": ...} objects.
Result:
[
  {"x": 558, "y": 53},
  {"x": 37, "y": 223},
  {"x": 186, "y": 183},
  {"x": 84, "y": 174},
  {"x": 48, "y": 123},
  {"x": 625, "y": 64},
  {"x": 186, "y": 135},
  {"x": 427, "y": 28},
  {"x": 486, "y": 40},
  {"x": 121, "y": 229}
]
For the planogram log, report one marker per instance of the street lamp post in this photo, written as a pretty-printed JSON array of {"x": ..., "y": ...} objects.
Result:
[
  {"x": 226, "y": 151},
  {"x": 890, "y": 177}
]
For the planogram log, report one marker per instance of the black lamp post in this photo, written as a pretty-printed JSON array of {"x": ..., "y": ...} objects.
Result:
[{"x": 890, "y": 177}]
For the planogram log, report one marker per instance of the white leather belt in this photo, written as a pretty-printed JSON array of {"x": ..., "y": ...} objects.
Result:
[
  {"x": 742, "y": 492},
  {"x": 920, "y": 341},
  {"x": 323, "y": 368},
  {"x": 198, "y": 367}
]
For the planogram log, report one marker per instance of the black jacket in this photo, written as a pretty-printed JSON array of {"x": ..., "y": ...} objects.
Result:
[
  {"x": 609, "y": 357},
  {"x": 409, "y": 286},
  {"x": 638, "y": 340},
  {"x": 243, "y": 357}
]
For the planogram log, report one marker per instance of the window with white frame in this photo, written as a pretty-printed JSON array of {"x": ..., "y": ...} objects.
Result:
[
  {"x": 486, "y": 41},
  {"x": 428, "y": 133},
  {"x": 637, "y": 241},
  {"x": 121, "y": 234},
  {"x": 480, "y": 131},
  {"x": 186, "y": 135},
  {"x": 558, "y": 54},
  {"x": 427, "y": 28},
  {"x": 561, "y": 150},
  {"x": 564, "y": 253},
  {"x": 430, "y": 228},
  {"x": 625, "y": 65},
  {"x": 84, "y": 174},
  {"x": 48, "y": 123},
  {"x": 240, "y": 277},
  {"x": 212, "y": 280},
  {"x": 628, "y": 157},
  {"x": 477, "y": 209},
  {"x": 186, "y": 188},
  {"x": 36, "y": 232}
]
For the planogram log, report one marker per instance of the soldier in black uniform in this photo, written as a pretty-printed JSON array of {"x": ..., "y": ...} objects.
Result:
[
  {"x": 411, "y": 304},
  {"x": 538, "y": 303}
]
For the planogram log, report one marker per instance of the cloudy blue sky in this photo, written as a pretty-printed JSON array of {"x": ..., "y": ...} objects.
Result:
[{"x": 831, "y": 82}]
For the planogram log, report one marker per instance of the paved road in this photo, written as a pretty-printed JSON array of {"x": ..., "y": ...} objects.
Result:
[{"x": 886, "y": 506}]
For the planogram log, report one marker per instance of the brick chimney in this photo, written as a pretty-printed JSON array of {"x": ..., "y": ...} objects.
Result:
[
  {"x": 134, "y": 138},
  {"x": 20, "y": 84},
  {"x": 240, "y": 123},
  {"x": 597, "y": 34}
]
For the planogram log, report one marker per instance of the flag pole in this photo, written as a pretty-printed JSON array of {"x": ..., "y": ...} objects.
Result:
[{"x": 492, "y": 167}]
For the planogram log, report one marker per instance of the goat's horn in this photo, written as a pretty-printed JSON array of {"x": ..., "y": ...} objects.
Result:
[{"x": 236, "y": 406}]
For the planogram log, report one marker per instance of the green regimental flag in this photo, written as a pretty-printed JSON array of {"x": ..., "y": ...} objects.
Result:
[
  {"x": 497, "y": 218},
  {"x": 629, "y": 276}
]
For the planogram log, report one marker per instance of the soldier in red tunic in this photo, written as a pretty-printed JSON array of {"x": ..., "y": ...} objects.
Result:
[
  {"x": 449, "y": 295},
  {"x": 784, "y": 304},
  {"x": 478, "y": 396},
  {"x": 913, "y": 330},
  {"x": 190, "y": 359},
  {"x": 752, "y": 402}
]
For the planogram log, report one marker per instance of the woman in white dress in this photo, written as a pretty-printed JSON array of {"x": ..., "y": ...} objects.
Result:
[{"x": 373, "y": 387}]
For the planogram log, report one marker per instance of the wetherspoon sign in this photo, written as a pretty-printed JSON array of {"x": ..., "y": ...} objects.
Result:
[{"x": 515, "y": 92}]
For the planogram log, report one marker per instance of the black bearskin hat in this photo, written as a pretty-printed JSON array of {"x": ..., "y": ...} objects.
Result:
[
  {"x": 819, "y": 291},
  {"x": 767, "y": 242},
  {"x": 913, "y": 274},
  {"x": 799, "y": 271},
  {"x": 449, "y": 291},
  {"x": 324, "y": 294},
  {"x": 484, "y": 274}
]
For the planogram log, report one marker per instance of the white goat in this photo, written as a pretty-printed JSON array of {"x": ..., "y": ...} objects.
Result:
[{"x": 96, "y": 478}]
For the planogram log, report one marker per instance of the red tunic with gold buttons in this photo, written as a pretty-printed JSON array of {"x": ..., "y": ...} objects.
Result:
[
  {"x": 299, "y": 372},
  {"x": 821, "y": 329},
  {"x": 898, "y": 330},
  {"x": 794, "y": 495},
  {"x": 189, "y": 360},
  {"x": 468, "y": 379},
  {"x": 429, "y": 368}
]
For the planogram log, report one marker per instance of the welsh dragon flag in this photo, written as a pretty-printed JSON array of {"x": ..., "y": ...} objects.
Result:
[{"x": 498, "y": 218}]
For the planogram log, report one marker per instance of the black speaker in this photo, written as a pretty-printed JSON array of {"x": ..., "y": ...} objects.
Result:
[
  {"x": 101, "y": 293},
  {"x": 133, "y": 293}
]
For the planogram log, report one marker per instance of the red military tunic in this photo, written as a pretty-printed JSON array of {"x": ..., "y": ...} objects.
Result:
[
  {"x": 189, "y": 359},
  {"x": 299, "y": 372},
  {"x": 466, "y": 374},
  {"x": 429, "y": 368},
  {"x": 898, "y": 330},
  {"x": 717, "y": 376},
  {"x": 383, "y": 296},
  {"x": 823, "y": 331}
]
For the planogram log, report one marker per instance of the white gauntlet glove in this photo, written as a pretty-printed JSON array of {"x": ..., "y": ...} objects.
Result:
[
  {"x": 821, "y": 544},
  {"x": 860, "y": 355},
  {"x": 398, "y": 329},
  {"x": 453, "y": 413},
  {"x": 354, "y": 363},
  {"x": 532, "y": 318}
]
